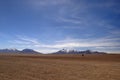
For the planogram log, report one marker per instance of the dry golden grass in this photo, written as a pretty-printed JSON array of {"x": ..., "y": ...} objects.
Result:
[{"x": 59, "y": 67}]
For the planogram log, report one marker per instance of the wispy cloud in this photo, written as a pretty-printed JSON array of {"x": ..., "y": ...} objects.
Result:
[
  {"x": 99, "y": 44},
  {"x": 115, "y": 33},
  {"x": 77, "y": 13},
  {"x": 68, "y": 20},
  {"x": 44, "y": 3},
  {"x": 25, "y": 40}
]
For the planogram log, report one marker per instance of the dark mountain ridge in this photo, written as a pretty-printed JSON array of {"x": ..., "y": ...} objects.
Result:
[
  {"x": 64, "y": 51},
  {"x": 28, "y": 51}
]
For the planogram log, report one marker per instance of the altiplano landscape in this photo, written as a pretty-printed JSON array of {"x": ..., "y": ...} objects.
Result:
[
  {"x": 59, "y": 67},
  {"x": 59, "y": 39}
]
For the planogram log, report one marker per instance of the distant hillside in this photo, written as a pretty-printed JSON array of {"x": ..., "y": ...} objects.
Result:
[
  {"x": 27, "y": 51},
  {"x": 9, "y": 51},
  {"x": 30, "y": 51},
  {"x": 64, "y": 51}
]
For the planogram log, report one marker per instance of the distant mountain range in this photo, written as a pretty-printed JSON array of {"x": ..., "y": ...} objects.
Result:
[
  {"x": 28, "y": 51},
  {"x": 64, "y": 51}
]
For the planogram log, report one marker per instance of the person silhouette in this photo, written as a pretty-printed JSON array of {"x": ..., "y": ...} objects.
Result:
[{"x": 82, "y": 54}]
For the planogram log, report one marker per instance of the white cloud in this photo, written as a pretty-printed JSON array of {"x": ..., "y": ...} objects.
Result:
[
  {"x": 99, "y": 44},
  {"x": 74, "y": 21},
  {"x": 77, "y": 13},
  {"x": 47, "y": 50},
  {"x": 27, "y": 39},
  {"x": 115, "y": 32},
  {"x": 87, "y": 43}
]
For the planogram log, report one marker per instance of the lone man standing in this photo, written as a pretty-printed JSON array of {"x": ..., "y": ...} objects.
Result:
[{"x": 82, "y": 54}]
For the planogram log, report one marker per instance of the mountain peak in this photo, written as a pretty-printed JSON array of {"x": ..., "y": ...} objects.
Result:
[
  {"x": 64, "y": 51},
  {"x": 31, "y": 51}
]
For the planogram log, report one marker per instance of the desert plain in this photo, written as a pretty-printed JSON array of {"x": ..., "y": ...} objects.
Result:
[{"x": 59, "y": 67}]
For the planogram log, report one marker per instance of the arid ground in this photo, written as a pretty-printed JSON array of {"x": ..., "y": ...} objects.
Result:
[{"x": 59, "y": 67}]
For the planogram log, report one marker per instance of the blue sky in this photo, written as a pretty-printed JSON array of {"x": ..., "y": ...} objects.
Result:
[{"x": 51, "y": 25}]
